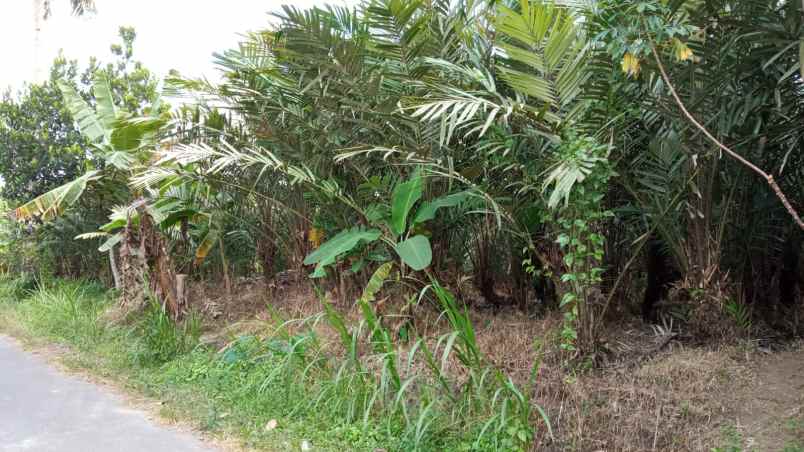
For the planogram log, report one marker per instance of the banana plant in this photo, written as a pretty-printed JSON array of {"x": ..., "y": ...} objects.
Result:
[
  {"x": 396, "y": 227},
  {"x": 116, "y": 136}
]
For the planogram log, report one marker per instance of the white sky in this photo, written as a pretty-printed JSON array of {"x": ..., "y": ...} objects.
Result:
[{"x": 171, "y": 34}]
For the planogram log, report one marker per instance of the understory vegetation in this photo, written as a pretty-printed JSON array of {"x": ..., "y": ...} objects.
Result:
[
  {"x": 408, "y": 225},
  {"x": 282, "y": 375}
]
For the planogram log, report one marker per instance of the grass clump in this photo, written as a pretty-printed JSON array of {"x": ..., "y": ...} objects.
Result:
[
  {"x": 67, "y": 311},
  {"x": 160, "y": 338}
]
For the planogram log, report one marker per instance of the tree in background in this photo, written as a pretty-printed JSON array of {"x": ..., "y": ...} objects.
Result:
[{"x": 41, "y": 147}]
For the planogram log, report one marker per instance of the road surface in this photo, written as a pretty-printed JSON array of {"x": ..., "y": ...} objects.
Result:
[{"x": 44, "y": 410}]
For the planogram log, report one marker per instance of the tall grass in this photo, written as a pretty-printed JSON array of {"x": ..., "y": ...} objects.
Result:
[{"x": 66, "y": 311}]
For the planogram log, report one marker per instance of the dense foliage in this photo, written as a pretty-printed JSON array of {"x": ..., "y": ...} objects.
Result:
[{"x": 597, "y": 159}]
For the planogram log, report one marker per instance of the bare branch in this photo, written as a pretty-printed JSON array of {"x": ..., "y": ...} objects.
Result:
[{"x": 768, "y": 177}]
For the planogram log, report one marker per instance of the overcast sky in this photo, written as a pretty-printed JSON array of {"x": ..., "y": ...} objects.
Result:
[{"x": 171, "y": 34}]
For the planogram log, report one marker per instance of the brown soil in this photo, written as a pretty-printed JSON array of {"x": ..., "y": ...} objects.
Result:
[{"x": 771, "y": 411}]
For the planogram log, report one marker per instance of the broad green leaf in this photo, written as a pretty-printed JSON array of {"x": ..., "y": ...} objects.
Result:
[
  {"x": 116, "y": 223},
  {"x": 120, "y": 160},
  {"x": 428, "y": 210},
  {"x": 403, "y": 198},
  {"x": 104, "y": 104},
  {"x": 177, "y": 216},
  {"x": 88, "y": 121},
  {"x": 92, "y": 235},
  {"x": 111, "y": 242},
  {"x": 415, "y": 252},
  {"x": 343, "y": 242},
  {"x": 131, "y": 134},
  {"x": 51, "y": 204}
]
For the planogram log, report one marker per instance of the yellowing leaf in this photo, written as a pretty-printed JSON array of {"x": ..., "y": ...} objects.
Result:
[
  {"x": 682, "y": 52},
  {"x": 630, "y": 65},
  {"x": 209, "y": 241},
  {"x": 376, "y": 281},
  {"x": 315, "y": 237}
]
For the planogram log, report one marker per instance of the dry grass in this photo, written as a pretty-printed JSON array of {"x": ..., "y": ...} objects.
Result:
[{"x": 672, "y": 402}]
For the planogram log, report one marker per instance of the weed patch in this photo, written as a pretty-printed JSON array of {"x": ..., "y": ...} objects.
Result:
[{"x": 368, "y": 399}]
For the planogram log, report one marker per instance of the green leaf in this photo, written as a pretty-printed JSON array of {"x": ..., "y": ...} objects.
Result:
[
  {"x": 51, "y": 204},
  {"x": 111, "y": 242},
  {"x": 543, "y": 55},
  {"x": 106, "y": 111},
  {"x": 177, "y": 216},
  {"x": 133, "y": 133},
  {"x": 116, "y": 223},
  {"x": 88, "y": 121},
  {"x": 404, "y": 197},
  {"x": 91, "y": 235},
  {"x": 428, "y": 210},
  {"x": 343, "y": 242},
  {"x": 337, "y": 321},
  {"x": 120, "y": 160},
  {"x": 415, "y": 252}
]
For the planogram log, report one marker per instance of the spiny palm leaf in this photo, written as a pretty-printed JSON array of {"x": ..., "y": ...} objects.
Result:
[
  {"x": 544, "y": 54},
  {"x": 566, "y": 175},
  {"x": 459, "y": 110}
]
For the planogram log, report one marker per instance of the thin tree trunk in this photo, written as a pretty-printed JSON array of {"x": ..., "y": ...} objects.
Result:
[
  {"x": 227, "y": 282},
  {"x": 39, "y": 14},
  {"x": 181, "y": 291},
  {"x": 113, "y": 266}
]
